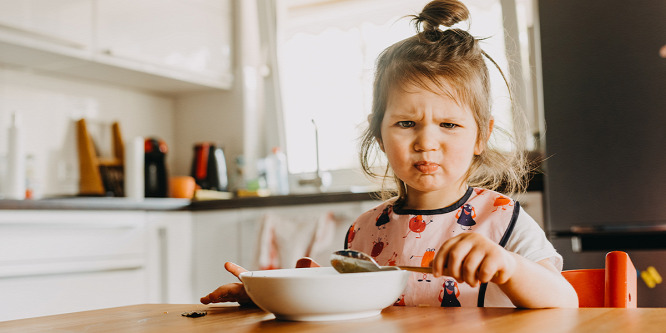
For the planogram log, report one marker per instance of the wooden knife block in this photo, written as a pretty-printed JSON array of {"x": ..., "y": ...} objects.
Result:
[{"x": 100, "y": 176}]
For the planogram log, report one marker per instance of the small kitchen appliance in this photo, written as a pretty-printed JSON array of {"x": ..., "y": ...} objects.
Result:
[
  {"x": 209, "y": 167},
  {"x": 156, "y": 178}
]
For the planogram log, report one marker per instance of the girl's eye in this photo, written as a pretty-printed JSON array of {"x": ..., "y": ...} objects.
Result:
[
  {"x": 448, "y": 125},
  {"x": 405, "y": 124}
]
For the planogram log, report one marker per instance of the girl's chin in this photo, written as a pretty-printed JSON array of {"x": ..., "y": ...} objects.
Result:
[{"x": 432, "y": 185}]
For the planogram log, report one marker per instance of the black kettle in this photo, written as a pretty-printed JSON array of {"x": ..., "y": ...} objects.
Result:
[
  {"x": 209, "y": 167},
  {"x": 155, "y": 171}
]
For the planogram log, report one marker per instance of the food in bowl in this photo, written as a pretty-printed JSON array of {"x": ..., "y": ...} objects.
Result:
[{"x": 317, "y": 294}]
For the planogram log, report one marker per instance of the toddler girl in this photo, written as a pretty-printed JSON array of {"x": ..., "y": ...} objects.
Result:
[{"x": 431, "y": 118}]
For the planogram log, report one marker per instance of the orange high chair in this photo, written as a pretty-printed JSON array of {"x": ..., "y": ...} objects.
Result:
[{"x": 614, "y": 286}]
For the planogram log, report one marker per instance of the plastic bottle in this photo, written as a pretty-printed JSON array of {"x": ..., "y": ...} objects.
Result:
[
  {"x": 15, "y": 177},
  {"x": 32, "y": 182},
  {"x": 134, "y": 168},
  {"x": 277, "y": 174}
]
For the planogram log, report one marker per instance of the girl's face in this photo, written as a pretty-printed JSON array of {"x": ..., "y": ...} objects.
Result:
[{"x": 429, "y": 140}]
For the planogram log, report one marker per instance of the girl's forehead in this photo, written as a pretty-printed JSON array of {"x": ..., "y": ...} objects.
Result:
[{"x": 413, "y": 89}]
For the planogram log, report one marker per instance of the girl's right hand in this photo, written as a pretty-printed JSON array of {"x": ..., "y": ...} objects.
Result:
[{"x": 232, "y": 292}]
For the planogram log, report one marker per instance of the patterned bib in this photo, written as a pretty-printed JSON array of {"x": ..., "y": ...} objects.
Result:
[{"x": 395, "y": 236}]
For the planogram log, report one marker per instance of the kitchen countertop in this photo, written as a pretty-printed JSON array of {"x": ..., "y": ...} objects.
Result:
[{"x": 172, "y": 204}]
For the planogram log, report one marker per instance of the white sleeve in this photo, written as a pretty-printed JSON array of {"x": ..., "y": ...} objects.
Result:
[{"x": 529, "y": 241}]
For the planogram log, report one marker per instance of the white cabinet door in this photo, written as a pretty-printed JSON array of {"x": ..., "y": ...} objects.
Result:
[
  {"x": 185, "y": 36},
  {"x": 170, "y": 257},
  {"x": 63, "y": 22},
  {"x": 217, "y": 240},
  {"x": 36, "y": 295},
  {"x": 61, "y": 261}
]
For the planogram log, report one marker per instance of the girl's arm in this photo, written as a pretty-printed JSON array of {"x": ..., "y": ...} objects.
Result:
[
  {"x": 474, "y": 259},
  {"x": 538, "y": 285}
]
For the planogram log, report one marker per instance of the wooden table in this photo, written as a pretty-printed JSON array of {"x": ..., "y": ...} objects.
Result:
[{"x": 228, "y": 318}]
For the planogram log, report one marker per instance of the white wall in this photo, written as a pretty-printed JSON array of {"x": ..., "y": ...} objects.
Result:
[
  {"x": 216, "y": 117},
  {"x": 50, "y": 105}
]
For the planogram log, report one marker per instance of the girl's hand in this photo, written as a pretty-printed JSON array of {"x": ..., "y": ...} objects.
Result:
[
  {"x": 235, "y": 292},
  {"x": 473, "y": 258},
  {"x": 232, "y": 292},
  {"x": 306, "y": 262}
]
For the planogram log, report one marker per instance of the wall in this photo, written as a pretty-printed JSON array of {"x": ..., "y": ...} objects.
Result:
[
  {"x": 214, "y": 117},
  {"x": 50, "y": 105}
]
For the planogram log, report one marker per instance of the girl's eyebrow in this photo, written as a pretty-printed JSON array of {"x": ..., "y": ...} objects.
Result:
[{"x": 401, "y": 112}]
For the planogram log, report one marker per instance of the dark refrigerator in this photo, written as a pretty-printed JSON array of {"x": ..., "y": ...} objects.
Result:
[{"x": 604, "y": 106}]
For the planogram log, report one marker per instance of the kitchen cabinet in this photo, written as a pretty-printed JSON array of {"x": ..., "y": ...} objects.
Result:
[
  {"x": 56, "y": 261},
  {"x": 63, "y": 261},
  {"x": 169, "y": 46},
  {"x": 192, "y": 38},
  {"x": 46, "y": 35},
  {"x": 170, "y": 257},
  {"x": 216, "y": 240},
  {"x": 67, "y": 23}
]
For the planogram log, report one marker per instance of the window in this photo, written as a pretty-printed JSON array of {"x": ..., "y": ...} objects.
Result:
[{"x": 326, "y": 56}]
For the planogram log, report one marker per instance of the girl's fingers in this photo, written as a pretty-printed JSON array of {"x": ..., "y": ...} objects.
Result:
[
  {"x": 506, "y": 270},
  {"x": 487, "y": 271},
  {"x": 232, "y": 292},
  {"x": 306, "y": 262},
  {"x": 471, "y": 268},
  {"x": 442, "y": 262},
  {"x": 234, "y": 269},
  {"x": 439, "y": 262},
  {"x": 225, "y": 293},
  {"x": 456, "y": 257}
]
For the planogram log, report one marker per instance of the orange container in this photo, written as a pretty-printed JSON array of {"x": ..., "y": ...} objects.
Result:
[{"x": 182, "y": 187}]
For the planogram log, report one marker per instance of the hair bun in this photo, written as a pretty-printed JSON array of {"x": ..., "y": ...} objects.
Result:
[{"x": 441, "y": 12}]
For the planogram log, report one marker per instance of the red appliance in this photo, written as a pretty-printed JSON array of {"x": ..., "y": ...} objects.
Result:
[{"x": 209, "y": 167}]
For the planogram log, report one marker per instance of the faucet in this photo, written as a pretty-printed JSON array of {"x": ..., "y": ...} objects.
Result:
[{"x": 321, "y": 180}]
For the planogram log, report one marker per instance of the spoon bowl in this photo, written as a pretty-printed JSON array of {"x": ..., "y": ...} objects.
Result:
[{"x": 350, "y": 261}]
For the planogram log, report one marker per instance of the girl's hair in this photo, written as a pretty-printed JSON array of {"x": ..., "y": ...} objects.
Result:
[{"x": 456, "y": 57}]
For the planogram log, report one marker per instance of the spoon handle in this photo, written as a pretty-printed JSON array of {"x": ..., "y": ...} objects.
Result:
[{"x": 416, "y": 269}]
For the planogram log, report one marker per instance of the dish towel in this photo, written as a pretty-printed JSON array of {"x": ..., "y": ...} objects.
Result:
[{"x": 284, "y": 240}]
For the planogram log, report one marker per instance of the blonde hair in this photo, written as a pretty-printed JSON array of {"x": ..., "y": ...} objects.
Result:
[{"x": 455, "y": 56}]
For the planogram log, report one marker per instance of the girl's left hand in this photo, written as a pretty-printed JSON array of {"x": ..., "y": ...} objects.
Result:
[{"x": 473, "y": 258}]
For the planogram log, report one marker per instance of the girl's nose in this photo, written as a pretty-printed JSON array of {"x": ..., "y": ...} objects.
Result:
[{"x": 425, "y": 139}]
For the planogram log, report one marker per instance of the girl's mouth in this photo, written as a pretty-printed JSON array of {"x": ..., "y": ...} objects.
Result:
[{"x": 426, "y": 167}]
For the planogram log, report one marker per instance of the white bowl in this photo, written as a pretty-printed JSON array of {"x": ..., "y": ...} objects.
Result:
[{"x": 315, "y": 294}]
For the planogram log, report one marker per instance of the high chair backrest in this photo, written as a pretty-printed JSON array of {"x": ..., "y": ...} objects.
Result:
[{"x": 614, "y": 286}]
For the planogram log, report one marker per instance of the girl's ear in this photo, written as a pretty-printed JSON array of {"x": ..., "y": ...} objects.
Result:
[
  {"x": 378, "y": 139},
  {"x": 380, "y": 143},
  {"x": 481, "y": 145}
]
